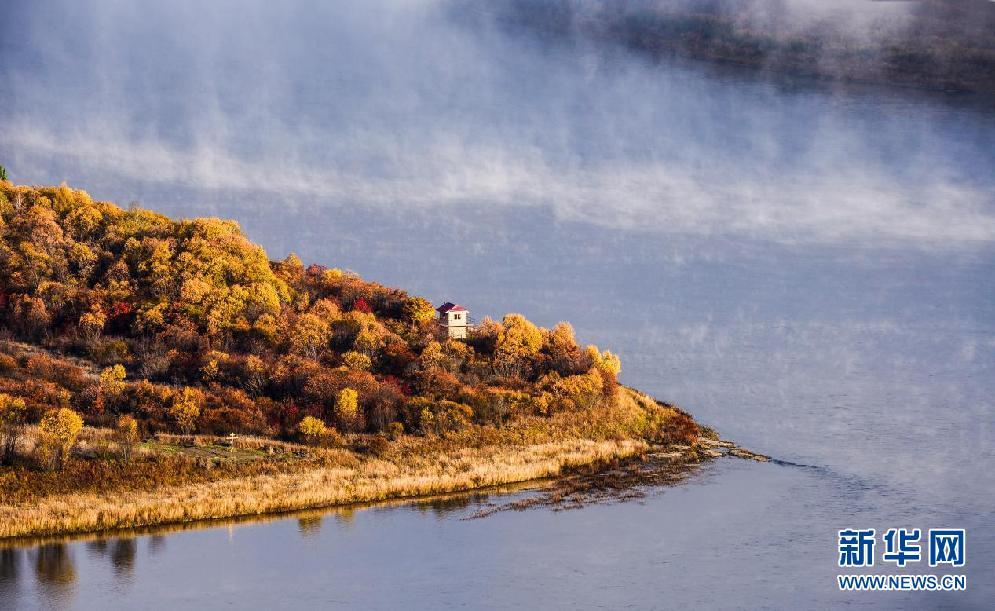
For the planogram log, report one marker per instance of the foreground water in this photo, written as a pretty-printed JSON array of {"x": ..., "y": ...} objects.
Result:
[{"x": 811, "y": 272}]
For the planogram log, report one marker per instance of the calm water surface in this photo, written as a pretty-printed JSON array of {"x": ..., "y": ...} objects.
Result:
[{"x": 834, "y": 308}]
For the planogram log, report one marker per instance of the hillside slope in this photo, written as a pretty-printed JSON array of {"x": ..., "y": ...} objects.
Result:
[{"x": 196, "y": 314}]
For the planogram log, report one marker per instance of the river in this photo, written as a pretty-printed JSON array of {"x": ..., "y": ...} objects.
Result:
[{"x": 808, "y": 269}]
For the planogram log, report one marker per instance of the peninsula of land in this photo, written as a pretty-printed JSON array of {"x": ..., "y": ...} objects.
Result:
[{"x": 157, "y": 371}]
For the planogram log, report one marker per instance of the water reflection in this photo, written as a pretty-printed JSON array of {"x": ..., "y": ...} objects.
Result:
[
  {"x": 10, "y": 564},
  {"x": 97, "y": 547},
  {"x": 123, "y": 552},
  {"x": 309, "y": 526},
  {"x": 54, "y": 564},
  {"x": 10, "y": 569},
  {"x": 441, "y": 507},
  {"x": 157, "y": 543}
]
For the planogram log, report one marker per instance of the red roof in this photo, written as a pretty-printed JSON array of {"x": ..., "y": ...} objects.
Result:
[{"x": 450, "y": 307}]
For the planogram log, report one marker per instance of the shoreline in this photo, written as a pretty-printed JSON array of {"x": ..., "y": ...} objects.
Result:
[
  {"x": 167, "y": 528},
  {"x": 259, "y": 496},
  {"x": 564, "y": 469}
]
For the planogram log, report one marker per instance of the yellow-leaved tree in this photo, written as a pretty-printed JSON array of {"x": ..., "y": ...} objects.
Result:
[
  {"x": 58, "y": 432},
  {"x": 126, "y": 434},
  {"x": 112, "y": 380},
  {"x": 91, "y": 324},
  {"x": 111, "y": 387},
  {"x": 311, "y": 429},
  {"x": 419, "y": 310},
  {"x": 561, "y": 344},
  {"x": 347, "y": 408},
  {"x": 309, "y": 335},
  {"x": 519, "y": 337},
  {"x": 580, "y": 391},
  {"x": 186, "y": 409},
  {"x": 517, "y": 342},
  {"x": 357, "y": 361},
  {"x": 606, "y": 361}
]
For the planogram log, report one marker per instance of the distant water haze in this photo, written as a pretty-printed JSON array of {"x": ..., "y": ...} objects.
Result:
[
  {"x": 809, "y": 270},
  {"x": 431, "y": 105}
]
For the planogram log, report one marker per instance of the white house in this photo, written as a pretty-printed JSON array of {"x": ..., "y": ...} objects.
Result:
[{"x": 454, "y": 318}]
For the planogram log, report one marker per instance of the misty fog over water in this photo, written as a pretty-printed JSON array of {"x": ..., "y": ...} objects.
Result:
[
  {"x": 429, "y": 105},
  {"x": 808, "y": 268}
]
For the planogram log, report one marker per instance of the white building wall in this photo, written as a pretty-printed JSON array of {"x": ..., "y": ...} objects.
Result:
[{"x": 455, "y": 323}]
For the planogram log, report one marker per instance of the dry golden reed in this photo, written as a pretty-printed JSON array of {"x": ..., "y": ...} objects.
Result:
[
  {"x": 170, "y": 487},
  {"x": 371, "y": 480}
]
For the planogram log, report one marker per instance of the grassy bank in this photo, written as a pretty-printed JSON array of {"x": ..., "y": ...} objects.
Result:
[
  {"x": 166, "y": 482},
  {"x": 371, "y": 480}
]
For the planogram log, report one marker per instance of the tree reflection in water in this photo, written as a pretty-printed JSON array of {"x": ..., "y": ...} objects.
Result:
[
  {"x": 97, "y": 547},
  {"x": 10, "y": 570},
  {"x": 309, "y": 526},
  {"x": 123, "y": 552},
  {"x": 345, "y": 516},
  {"x": 54, "y": 564},
  {"x": 448, "y": 504}
]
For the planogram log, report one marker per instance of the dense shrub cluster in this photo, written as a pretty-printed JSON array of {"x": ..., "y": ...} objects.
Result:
[{"x": 187, "y": 326}]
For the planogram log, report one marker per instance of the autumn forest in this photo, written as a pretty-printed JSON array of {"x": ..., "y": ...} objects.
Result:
[{"x": 126, "y": 337}]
